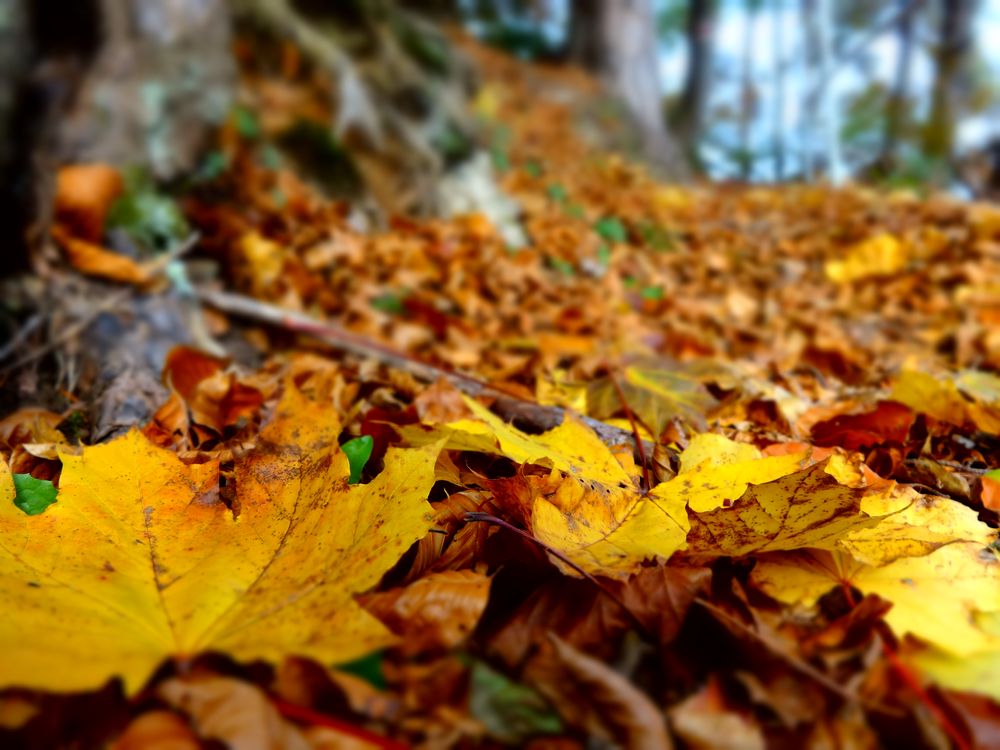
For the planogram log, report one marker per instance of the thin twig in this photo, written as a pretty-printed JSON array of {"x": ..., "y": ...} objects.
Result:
[
  {"x": 509, "y": 406},
  {"x": 635, "y": 430},
  {"x": 20, "y": 336},
  {"x": 70, "y": 331},
  {"x": 497, "y": 521},
  {"x": 156, "y": 267}
]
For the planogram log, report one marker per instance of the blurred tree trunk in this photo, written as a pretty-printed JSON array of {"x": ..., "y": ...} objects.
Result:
[
  {"x": 748, "y": 97},
  {"x": 778, "y": 73},
  {"x": 617, "y": 41},
  {"x": 821, "y": 106},
  {"x": 953, "y": 44},
  {"x": 689, "y": 111},
  {"x": 895, "y": 113}
]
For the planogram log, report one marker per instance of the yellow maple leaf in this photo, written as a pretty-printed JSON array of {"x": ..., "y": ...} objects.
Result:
[
  {"x": 880, "y": 255},
  {"x": 935, "y": 597},
  {"x": 943, "y": 399},
  {"x": 136, "y": 563},
  {"x": 912, "y": 525},
  {"x": 808, "y": 508},
  {"x": 607, "y": 531},
  {"x": 975, "y": 673},
  {"x": 655, "y": 393},
  {"x": 572, "y": 447},
  {"x": 715, "y": 470}
]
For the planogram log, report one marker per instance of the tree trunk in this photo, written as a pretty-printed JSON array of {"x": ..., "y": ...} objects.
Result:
[
  {"x": 163, "y": 81},
  {"x": 895, "y": 114},
  {"x": 778, "y": 72},
  {"x": 747, "y": 95},
  {"x": 822, "y": 111},
  {"x": 952, "y": 49},
  {"x": 690, "y": 109},
  {"x": 617, "y": 40}
]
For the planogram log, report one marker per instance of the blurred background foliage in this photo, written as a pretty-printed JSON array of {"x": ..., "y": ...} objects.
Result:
[{"x": 903, "y": 93}]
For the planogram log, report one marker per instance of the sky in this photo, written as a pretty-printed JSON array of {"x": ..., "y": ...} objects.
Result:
[{"x": 878, "y": 64}]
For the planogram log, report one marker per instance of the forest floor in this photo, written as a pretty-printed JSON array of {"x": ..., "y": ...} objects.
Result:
[{"x": 781, "y": 534}]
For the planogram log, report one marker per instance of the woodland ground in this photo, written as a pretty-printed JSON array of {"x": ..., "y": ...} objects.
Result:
[{"x": 781, "y": 533}]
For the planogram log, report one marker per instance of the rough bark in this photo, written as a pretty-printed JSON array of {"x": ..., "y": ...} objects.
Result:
[
  {"x": 164, "y": 79},
  {"x": 689, "y": 113},
  {"x": 617, "y": 40}
]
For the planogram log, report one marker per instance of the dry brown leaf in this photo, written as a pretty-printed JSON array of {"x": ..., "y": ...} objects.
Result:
[
  {"x": 233, "y": 712},
  {"x": 592, "y": 696},
  {"x": 157, "y": 730},
  {"x": 438, "y": 611}
]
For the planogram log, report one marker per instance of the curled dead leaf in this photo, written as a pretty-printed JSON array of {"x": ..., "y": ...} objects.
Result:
[
  {"x": 593, "y": 697},
  {"x": 438, "y": 611}
]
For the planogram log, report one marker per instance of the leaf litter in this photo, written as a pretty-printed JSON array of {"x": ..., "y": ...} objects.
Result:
[{"x": 807, "y": 505}]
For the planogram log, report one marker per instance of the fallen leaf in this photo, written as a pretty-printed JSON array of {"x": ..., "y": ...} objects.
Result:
[
  {"x": 33, "y": 496},
  {"x": 571, "y": 447},
  {"x": 941, "y": 398},
  {"x": 157, "y": 730},
  {"x": 887, "y": 422},
  {"x": 880, "y": 255},
  {"x": 714, "y": 471},
  {"x": 137, "y": 549},
  {"x": 924, "y": 524},
  {"x": 94, "y": 260},
  {"x": 706, "y": 720},
  {"x": 84, "y": 195},
  {"x": 593, "y": 697},
  {"x": 653, "y": 392},
  {"x": 935, "y": 597},
  {"x": 511, "y": 712},
  {"x": 990, "y": 493},
  {"x": 605, "y": 530},
  {"x": 235, "y": 713},
  {"x": 435, "y": 612}
]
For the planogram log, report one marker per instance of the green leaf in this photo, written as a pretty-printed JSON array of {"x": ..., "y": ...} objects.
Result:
[
  {"x": 32, "y": 495},
  {"x": 563, "y": 266},
  {"x": 611, "y": 229},
  {"x": 390, "y": 303},
  {"x": 501, "y": 162},
  {"x": 604, "y": 255},
  {"x": 657, "y": 237},
  {"x": 246, "y": 123},
  {"x": 995, "y": 474},
  {"x": 511, "y": 712},
  {"x": 533, "y": 168},
  {"x": 358, "y": 451},
  {"x": 557, "y": 192},
  {"x": 151, "y": 218},
  {"x": 368, "y": 668},
  {"x": 213, "y": 166},
  {"x": 652, "y": 293}
]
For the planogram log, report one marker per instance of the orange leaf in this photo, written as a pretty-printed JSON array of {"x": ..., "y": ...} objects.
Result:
[
  {"x": 93, "y": 260},
  {"x": 84, "y": 194}
]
